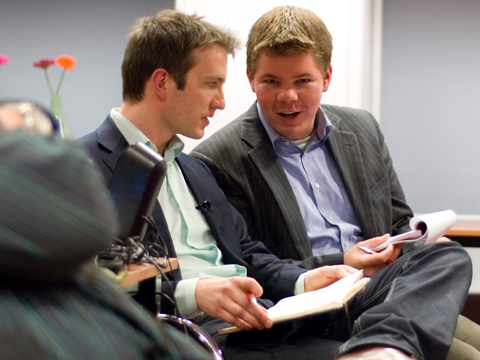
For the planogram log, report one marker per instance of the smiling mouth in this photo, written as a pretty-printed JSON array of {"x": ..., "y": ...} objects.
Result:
[{"x": 288, "y": 114}]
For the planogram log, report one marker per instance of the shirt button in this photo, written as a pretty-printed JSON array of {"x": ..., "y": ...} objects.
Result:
[
  {"x": 330, "y": 216},
  {"x": 345, "y": 243},
  {"x": 317, "y": 185},
  {"x": 287, "y": 142}
]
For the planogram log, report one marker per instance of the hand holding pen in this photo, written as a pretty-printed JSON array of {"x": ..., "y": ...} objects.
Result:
[
  {"x": 366, "y": 250},
  {"x": 369, "y": 261}
]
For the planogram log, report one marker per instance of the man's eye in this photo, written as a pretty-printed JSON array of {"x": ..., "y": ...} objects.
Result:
[
  {"x": 303, "y": 81},
  {"x": 270, "y": 81}
]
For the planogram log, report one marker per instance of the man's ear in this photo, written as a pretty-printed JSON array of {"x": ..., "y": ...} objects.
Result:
[
  {"x": 327, "y": 79},
  {"x": 159, "y": 81},
  {"x": 250, "y": 79}
]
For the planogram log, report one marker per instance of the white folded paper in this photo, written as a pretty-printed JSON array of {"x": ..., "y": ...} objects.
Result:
[{"x": 429, "y": 227}]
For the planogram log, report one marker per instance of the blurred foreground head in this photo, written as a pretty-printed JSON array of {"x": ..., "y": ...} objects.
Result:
[
  {"x": 29, "y": 116},
  {"x": 55, "y": 211}
]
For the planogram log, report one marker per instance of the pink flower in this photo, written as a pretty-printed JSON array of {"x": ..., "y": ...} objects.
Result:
[
  {"x": 4, "y": 59},
  {"x": 44, "y": 63}
]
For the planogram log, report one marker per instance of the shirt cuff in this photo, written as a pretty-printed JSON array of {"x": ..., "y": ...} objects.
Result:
[
  {"x": 300, "y": 284},
  {"x": 185, "y": 298}
]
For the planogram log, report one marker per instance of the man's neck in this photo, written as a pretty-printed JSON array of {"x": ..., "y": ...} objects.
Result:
[{"x": 145, "y": 119}]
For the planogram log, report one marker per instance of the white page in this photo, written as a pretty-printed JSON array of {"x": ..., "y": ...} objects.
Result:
[
  {"x": 428, "y": 226},
  {"x": 307, "y": 302}
]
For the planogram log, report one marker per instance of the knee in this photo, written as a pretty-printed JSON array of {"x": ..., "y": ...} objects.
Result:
[{"x": 452, "y": 254}]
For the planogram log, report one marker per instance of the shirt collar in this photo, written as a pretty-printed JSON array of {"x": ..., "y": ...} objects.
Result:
[
  {"x": 174, "y": 148},
  {"x": 133, "y": 135},
  {"x": 323, "y": 126}
]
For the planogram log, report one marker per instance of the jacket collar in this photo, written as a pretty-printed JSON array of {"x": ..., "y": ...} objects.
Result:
[{"x": 109, "y": 137}]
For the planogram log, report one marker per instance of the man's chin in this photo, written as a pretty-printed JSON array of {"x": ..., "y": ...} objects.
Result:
[{"x": 195, "y": 136}]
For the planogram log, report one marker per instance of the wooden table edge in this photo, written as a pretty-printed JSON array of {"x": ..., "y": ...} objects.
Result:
[{"x": 140, "y": 272}]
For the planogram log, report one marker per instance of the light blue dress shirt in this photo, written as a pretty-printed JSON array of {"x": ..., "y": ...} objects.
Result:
[{"x": 331, "y": 223}]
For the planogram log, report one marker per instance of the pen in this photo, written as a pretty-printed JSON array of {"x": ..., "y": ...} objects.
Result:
[
  {"x": 369, "y": 251},
  {"x": 253, "y": 299},
  {"x": 366, "y": 250}
]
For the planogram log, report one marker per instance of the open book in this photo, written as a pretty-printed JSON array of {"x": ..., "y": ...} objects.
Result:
[
  {"x": 427, "y": 227},
  {"x": 331, "y": 297}
]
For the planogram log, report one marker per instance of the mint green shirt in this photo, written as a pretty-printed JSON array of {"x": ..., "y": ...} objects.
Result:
[{"x": 197, "y": 251}]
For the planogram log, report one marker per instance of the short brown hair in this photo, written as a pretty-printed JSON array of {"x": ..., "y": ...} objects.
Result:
[
  {"x": 289, "y": 30},
  {"x": 166, "y": 40}
]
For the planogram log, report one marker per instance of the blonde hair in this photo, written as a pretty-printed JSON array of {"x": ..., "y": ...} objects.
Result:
[
  {"x": 166, "y": 40},
  {"x": 289, "y": 30}
]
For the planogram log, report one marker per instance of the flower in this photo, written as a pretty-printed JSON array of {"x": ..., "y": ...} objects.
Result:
[
  {"x": 44, "y": 63},
  {"x": 66, "y": 62},
  {"x": 4, "y": 59}
]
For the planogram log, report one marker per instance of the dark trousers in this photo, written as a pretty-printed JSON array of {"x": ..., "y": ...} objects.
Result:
[{"x": 412, "y": 305}]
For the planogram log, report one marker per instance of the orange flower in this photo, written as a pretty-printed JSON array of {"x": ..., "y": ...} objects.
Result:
[{"x": 66, "y": 62}]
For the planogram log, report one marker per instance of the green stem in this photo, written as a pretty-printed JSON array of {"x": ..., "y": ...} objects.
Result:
[
  {"x": 60, "y": 83},
  {"x": 48, "y": 81}
]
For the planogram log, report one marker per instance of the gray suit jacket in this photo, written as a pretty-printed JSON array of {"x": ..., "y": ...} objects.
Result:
[{"x": 244, "y": 162}]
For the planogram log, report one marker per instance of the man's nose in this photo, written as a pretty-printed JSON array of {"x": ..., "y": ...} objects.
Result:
[
  {"x": 218, "y": 102},
  {"x": 287, "y": 95}
]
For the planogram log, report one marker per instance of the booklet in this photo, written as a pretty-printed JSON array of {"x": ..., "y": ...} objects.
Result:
[
  {"x": 331, "y": 297},
  {"x": 429, "y": 227}
]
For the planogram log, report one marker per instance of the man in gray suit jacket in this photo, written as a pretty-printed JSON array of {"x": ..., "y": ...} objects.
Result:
[
  {"x": 244, "y": 162},
  {"x": 312, "y": 182}
]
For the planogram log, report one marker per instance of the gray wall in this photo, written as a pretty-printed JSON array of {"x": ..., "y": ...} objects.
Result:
[
  {"x": 431, "y": 101},
  {"x": 92, "y": 31},
  {"x": 430, "y": 87}
]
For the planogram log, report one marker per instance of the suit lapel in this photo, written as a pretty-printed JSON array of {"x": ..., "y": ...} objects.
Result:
[
  {"x": 270, "y": 168},
  {"x": 203, "y": 187},
  {"x": 201, "y": 190},
  {"x": 346, "y": 152},
  {"x": 111, "y": 139}
]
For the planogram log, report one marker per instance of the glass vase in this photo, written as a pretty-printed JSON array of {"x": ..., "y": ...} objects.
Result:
[{"x": 56, "y": 109}]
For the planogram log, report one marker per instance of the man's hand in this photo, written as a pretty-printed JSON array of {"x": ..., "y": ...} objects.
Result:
[
  {"x": 320, "y": 277},
  {"x": 371, "y": 263},
  {"x": 230, "y": 299}
]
